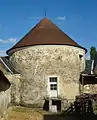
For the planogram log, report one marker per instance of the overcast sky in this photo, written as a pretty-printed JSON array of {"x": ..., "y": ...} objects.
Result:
[{"x": 77, "y": 18}]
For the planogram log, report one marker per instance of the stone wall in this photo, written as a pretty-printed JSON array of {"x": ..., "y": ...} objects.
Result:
[
  {"x": 4, "y": 101},
  {"x": 37, "y": 63},
  {"x": 90, "y": 88},
  {"x": 14, "y": 91}
]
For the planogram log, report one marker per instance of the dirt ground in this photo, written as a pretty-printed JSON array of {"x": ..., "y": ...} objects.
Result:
[{"x": 22, "y": 113}]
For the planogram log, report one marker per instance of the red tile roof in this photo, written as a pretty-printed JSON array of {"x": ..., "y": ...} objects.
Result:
[{"x": 45, "y": 33}]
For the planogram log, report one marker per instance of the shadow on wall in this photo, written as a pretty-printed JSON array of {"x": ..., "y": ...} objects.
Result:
[
  {"x": 46, "y": 105},
  {"x": 4, "y": 82}
]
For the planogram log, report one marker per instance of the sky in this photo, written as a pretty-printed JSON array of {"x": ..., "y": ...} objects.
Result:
[{"x": 77, "y": 18}]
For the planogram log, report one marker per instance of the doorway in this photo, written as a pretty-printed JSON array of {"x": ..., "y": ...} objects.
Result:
[{"x": 53, "y": 87}]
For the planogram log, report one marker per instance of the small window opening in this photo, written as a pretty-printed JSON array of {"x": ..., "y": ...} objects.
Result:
[
  {"x": 53, "y": 79},
  {"x": 53, "y": 86},
  {"x": 80, "y": 56}
]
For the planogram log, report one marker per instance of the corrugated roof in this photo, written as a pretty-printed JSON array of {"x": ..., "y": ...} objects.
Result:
[
  {"x": 45, "y": 33},
  {"x": 8, "y": 65}
]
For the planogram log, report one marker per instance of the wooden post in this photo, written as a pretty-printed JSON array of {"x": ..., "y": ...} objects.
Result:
[
  {"x": 79, "y": 88},
  {"x": 82, "y": 85},
  {"x": 50, "y": 105}
]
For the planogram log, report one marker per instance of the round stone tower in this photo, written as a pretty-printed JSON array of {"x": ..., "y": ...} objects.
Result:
[{"x": 50, "y": 63}]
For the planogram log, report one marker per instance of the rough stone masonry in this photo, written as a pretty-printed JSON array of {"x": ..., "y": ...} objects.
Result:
[{"x": 37, "y": 63}]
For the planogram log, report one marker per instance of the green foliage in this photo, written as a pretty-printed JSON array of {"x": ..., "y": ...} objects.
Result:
[
  {"x": 95, "y": 108},
  {"x": 93, "y": 53}
]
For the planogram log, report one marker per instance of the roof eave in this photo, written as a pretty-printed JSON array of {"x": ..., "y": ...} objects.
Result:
[{"x": 8, "y": 51}]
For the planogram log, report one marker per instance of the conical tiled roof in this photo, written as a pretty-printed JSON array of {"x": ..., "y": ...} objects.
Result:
[{"x": 45, "y": 33}]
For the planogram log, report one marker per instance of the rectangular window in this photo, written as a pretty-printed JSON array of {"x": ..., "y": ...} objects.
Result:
[
  {"x": 53, "y": 86},
  {"x": 53, "y": 79},
  {"x": 53, "y": 83}
]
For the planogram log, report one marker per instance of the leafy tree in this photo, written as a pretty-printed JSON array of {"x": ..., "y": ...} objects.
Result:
[{"x": 93, "y": 53}]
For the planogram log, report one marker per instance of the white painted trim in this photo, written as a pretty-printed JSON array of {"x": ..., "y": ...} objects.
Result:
[{"x": 5, "y": 65}]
